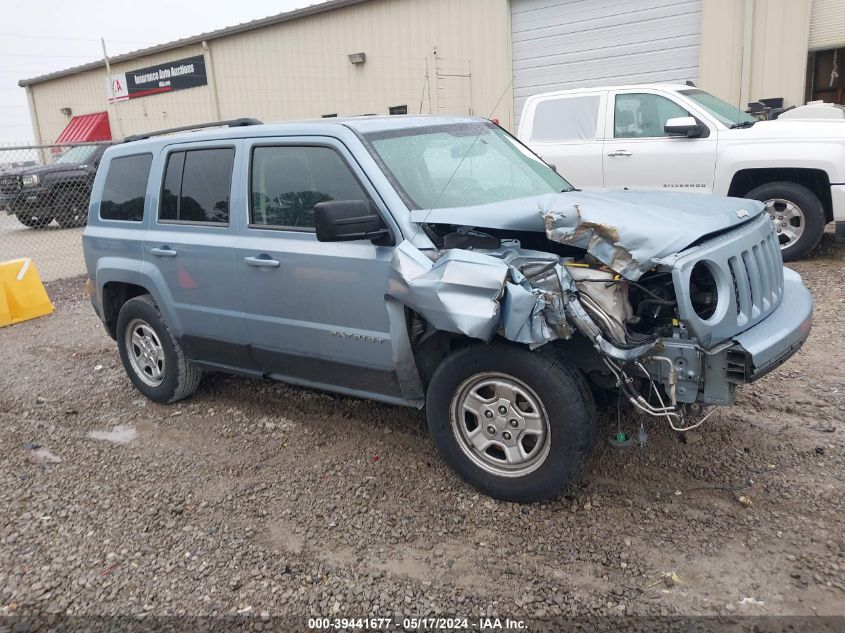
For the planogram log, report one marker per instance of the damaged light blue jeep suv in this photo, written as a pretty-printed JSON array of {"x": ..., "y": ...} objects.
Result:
[{"x": 437, "y": 262}]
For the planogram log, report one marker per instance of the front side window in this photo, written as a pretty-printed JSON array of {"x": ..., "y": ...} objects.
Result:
[
  {"x": 126, "y": 188},
  {"x": 643, "y": 115},
  {"x": 287, "y": 181},
  {"x": 566, "y": 119},
  {"x": 461, "y": 164},
  {"x": 197, "y": 185}
]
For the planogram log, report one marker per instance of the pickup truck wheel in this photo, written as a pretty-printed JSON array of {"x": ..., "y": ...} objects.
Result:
[
  {"x": 151, "y": 355},
  {"x": 33, "y": 219},
  {"x": 517, "y": 425},
  {"x": 72, "y": 209},
  {"x": 797, "y": 215}
]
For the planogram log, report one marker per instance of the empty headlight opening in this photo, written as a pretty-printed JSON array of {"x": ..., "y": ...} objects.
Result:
[{"x": 704, "y": 293}]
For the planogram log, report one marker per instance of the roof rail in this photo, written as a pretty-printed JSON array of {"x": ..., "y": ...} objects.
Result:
[{"x": 199, "y": 126}]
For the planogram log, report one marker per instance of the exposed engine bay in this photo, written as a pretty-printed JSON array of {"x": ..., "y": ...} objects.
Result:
[{"x": 639, "y": 325}]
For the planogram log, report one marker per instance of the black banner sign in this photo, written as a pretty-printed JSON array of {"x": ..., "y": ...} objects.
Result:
[{"x": 165, "y": 77}]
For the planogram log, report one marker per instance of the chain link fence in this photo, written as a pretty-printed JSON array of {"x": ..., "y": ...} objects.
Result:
[{"x": 44, "y": 195}]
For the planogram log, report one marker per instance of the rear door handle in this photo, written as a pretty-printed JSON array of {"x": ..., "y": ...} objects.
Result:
[
  {"x": 619, "y": 152},
  {"x": 262, "y": 261},
  {"x": 164, "y": 251}
]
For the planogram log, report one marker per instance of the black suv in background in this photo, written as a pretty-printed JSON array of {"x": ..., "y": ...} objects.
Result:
[{"x": 39, "y": 194}]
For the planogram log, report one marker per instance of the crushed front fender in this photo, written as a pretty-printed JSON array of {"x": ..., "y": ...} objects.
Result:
[
  {"x": 524, "y": 296},
  {"x": 459, "y": 292}
]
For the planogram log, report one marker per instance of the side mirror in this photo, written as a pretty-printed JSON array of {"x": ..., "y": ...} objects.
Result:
[
  {"x": 348, "y": 220},
  {"x": 683, "y": 126}
]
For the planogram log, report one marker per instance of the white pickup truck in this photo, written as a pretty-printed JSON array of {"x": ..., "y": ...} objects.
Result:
[{"x": 681, "y": 138}]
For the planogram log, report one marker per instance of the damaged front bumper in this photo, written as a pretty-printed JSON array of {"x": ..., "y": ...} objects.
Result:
[
  {"x": 771, "y": 342},
  {"x": 709, "y": 376}
]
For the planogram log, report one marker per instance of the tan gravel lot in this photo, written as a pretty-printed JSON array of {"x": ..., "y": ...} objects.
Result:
[{"x": 262, "y": 498}]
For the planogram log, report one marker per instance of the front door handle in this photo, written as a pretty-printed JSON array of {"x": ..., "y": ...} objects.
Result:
[
  {"x": 262, "y": 261},
  {"x": 164, "y": 251},
  {"x": 619, "y": 152}
]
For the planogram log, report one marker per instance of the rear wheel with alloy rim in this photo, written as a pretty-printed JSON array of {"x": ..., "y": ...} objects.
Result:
[
  {"x": 797, "y": 215},
  {"x": 146, "y": 355},
  {"x": 518, "y": 425},
  {"x": 152, "y": 357}
]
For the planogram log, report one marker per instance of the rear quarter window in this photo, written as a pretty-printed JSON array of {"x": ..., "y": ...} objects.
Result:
[
  {"x": 126, "y": 188},
  {"x": 566, "y": 119}
]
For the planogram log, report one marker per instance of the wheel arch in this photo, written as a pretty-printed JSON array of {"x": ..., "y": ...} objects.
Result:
[
  {"x": 816, "y": 180},
  {"x": 114, "y": 295},
  {"x": 119, "y": 280},
  {"x": 430, "y": 346}
]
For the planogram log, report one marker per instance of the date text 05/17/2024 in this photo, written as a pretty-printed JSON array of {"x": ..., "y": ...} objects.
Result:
[{"x": 417, "y": 624}]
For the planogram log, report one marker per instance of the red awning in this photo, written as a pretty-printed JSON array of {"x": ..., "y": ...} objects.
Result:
[{"x": 86, "y": 128}]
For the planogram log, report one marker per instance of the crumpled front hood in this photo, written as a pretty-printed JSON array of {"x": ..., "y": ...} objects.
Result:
[{"x": 626, "y": 230}]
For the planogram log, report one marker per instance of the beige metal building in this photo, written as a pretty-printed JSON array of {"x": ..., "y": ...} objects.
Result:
[{"x": 480, "y": 57}]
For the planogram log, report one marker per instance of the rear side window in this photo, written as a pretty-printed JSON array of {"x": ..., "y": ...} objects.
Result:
[
  {"x": 197, "y": 185},
  {"x": 287, "y": 182},
  {"x": 566, "y": 119},
  {"x": 126, "y": 188}
]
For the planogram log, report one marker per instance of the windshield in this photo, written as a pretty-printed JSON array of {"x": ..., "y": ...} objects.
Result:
[
  {"x": 76, "y": 155},
  {"x": 461, "y": 164},
  {"x": 726, "y": 113}
]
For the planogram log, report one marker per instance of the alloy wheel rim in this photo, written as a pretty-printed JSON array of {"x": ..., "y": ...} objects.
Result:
[
  {"x": 500, "y": 424},
  {"x": 788, "y": 220},
  {"x": 146, "y": 354}
]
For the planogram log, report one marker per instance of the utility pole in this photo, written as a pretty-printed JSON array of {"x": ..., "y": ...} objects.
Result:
[{"x": 112, "y": 102}]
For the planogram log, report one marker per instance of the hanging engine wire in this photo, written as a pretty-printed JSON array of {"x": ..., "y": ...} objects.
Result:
[
  {"x": 656, "y": 392},
  {"x": 672, "y": 414}
]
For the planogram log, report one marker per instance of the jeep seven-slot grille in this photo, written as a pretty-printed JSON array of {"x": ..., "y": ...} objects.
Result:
[
  {"x": 10, "y": 185},
  {"x": 757, "y": 276},
  {"x": 748, "y": 269}
]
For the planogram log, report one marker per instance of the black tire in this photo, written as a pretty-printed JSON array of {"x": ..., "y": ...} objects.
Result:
[
  {"x": 180, "y": 378},
  {"x": 33, "y": 219},
  {"x": 810, "y": 207},
  {"x": 72, "y": 208},
  {"x": 563, "y": 393}
]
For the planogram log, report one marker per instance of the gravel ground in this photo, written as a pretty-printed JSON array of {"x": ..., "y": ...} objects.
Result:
[{"x": 261, "y": 498}]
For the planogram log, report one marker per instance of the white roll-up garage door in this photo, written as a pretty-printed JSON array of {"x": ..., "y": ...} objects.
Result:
[
  {"x": 560, "y": 44},
  {"x": 827, "y": 24}
]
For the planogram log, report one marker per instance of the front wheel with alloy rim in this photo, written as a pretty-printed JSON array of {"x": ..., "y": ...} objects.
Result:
[
  {"x": 151, "y": 355},
  {"x": 797, "y": 215},
  {"x": 517, "y": 425}
]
